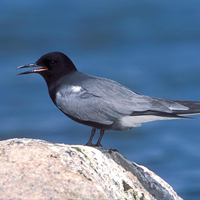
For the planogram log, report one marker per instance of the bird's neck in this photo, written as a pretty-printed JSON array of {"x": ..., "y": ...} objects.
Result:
[{"x": 52, "y": 79}]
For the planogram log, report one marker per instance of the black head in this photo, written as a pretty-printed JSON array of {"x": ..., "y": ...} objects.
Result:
[{"x": 51, "y": 66}]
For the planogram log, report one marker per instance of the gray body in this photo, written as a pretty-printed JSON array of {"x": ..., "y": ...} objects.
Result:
[{"x": 105, "y": 104}]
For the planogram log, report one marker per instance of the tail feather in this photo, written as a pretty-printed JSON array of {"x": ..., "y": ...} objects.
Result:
[
  {"x": 178, "y": 109},
  {"x": 194, "y": 108}
]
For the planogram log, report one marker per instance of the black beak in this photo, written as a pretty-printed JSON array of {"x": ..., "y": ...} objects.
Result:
[{"x": 41, "y": 69}]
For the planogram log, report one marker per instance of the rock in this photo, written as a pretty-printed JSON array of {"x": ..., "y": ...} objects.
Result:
[{"x": 36, "y": 169}]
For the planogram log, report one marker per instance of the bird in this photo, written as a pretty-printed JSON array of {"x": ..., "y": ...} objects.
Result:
[{"x": 102, "y": 103}]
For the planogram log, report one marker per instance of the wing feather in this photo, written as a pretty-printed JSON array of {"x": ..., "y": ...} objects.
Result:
[{"x": 105, "y": 101}]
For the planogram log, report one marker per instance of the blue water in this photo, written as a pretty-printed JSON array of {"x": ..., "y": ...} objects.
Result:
[{"x": 150, "y": 46}]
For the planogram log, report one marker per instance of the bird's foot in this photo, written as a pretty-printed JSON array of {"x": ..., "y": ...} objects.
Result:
[{"x": 93, "y": 145}]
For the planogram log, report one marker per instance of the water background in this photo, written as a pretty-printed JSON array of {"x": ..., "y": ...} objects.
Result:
[{"x": 150, "y": 46}]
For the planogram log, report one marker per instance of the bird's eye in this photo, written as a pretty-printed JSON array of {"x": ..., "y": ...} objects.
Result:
[{"x": 53, "y": 62}]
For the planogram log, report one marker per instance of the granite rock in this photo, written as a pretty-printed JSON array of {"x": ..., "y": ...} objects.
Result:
[{"x": 36, "y": 169}]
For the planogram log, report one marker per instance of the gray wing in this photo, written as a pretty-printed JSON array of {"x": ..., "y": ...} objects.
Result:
[{"x": 104, "y": 101}]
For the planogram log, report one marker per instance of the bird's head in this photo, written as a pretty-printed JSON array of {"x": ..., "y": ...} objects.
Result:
[{"x": 51, "y": 66}]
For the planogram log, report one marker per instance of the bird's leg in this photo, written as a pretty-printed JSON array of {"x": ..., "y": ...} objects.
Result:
[
  {"x": 100, "y": 137},
  {"x": 91, "y": 137}
]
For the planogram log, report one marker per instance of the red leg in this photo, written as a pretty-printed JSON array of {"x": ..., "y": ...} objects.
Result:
[
  {"x": 91, "y": 137},
  {"x": 100, "y": 137}
]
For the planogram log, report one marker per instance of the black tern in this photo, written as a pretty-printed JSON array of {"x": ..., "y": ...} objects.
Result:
[{"x": 102, "y": 103}]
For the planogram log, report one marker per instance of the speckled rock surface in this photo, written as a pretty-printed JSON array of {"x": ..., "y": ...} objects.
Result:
[{"x": 36, "y": 169}]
